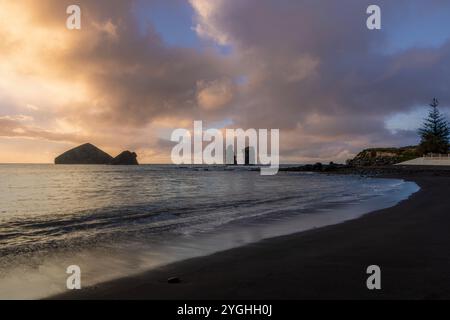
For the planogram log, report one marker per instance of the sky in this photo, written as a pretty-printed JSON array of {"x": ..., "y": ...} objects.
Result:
[{"x": 139, "y": 69}]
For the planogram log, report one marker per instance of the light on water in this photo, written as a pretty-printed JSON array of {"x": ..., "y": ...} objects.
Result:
[{"x": 116, "y": 221}]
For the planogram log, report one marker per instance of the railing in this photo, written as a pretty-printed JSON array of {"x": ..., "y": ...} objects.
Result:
[
  {"x": 436, "y": 159},
  {"x": 432, "y": 159},
  {"x": 433, "y": 156}
]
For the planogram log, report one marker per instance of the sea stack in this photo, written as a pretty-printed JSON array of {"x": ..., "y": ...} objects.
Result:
[
  {"x": 125, "y": 158},
  {"x": 84, "y": 154},
  {"x": 90, "y": 154}
]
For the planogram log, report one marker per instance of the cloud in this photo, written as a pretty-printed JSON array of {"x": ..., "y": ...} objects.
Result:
[
  {"x": 316, "y": 66},
  {"x": 311, "y": 68},
  {"x": 208, "y": 12},
  {"x": 111, "y": 74},
  {"x": 18, "y": 126},
  {"x": 215, "y": 94}
]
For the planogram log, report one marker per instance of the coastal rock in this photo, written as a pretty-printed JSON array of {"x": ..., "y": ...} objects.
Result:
[
  {"x": 318, "y": 167},
  {"x": 383, "y": 156},
  {"x": 174, "y": 280},
  {"x": 125, "y": 158},
  {"x": 249, "y": 156},
  {"x": 90, "y": 154},
  {"x": 84, "y": 154}
]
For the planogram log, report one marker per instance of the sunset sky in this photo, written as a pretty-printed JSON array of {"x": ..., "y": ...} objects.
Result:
[{"x": 139, "y": 69}]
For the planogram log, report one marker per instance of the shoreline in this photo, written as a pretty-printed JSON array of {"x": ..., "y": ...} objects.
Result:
[{"x": 408, "y": 241}]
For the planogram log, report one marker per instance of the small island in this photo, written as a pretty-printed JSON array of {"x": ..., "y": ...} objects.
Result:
[{"x": 90, "y": 154}]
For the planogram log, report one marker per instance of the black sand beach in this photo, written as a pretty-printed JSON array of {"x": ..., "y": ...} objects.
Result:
[{"x": 410, "y": 242}]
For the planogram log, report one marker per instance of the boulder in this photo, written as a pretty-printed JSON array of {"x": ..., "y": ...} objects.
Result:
[
  {"x": 125, "y": 158},
  {"x": 84, "y": 154},
  {"x": 174, "y": 280}
]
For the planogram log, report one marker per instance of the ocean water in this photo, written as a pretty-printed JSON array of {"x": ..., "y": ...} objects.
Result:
[{"x": 116, "y": 221}]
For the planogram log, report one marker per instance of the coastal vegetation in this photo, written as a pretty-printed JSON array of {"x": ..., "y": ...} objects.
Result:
[
  {"x": 434, "y": 139},
  {"x": 434, "y": 132},
  {"x": 384, "y": 156}
]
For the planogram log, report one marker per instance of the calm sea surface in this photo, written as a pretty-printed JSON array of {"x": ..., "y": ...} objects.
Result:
[{"x": 115, "y": 221}]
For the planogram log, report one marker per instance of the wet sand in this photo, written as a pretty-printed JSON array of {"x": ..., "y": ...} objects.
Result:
[{"x": 410, "y": 242}]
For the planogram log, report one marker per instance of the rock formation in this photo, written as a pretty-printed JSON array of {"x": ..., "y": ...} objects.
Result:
[
  {"x": 383, "y": 156},
  {"x": 84, "y": 154},
  {"x": 90, "y": 154},
  {"x": 249, "y": 156},
  {"x": 125, "y": 158}
]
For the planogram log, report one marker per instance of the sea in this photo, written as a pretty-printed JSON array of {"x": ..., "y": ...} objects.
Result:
[{"x": 116, "y": 221}]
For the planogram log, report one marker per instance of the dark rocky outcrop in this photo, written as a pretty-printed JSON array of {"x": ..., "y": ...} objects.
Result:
[
  {"x": 249, "y": 156},
  {"x": 125, "y": 158},
  {"x": 174, "y": 280},
  {"x": 368, "y": 162},
  {"x": 318, "y": 167},
  {"x": 384, "y": 156},
  {"x": 84, "y": 154},
  {"x": 90, "y": 154}
]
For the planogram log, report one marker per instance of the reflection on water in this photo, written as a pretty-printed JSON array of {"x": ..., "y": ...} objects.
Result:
[{"x": 114, "y": 221}]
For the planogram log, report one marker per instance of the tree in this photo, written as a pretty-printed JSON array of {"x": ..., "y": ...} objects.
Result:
[{"x": 434, "y": 132}]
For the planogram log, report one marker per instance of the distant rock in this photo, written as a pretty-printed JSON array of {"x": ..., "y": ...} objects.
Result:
[
  {"x": 174, "y": 280},
  {"x": 125, "y": 158},
  {"x": 90, "y": 154},
  {"x": 84, "y": 154},
  {"x": 249, "y": 156},
  {"x": 318, "y": 167}
]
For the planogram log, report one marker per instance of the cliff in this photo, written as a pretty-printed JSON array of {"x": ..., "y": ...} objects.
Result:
[{"x": 384, "y": 156}]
